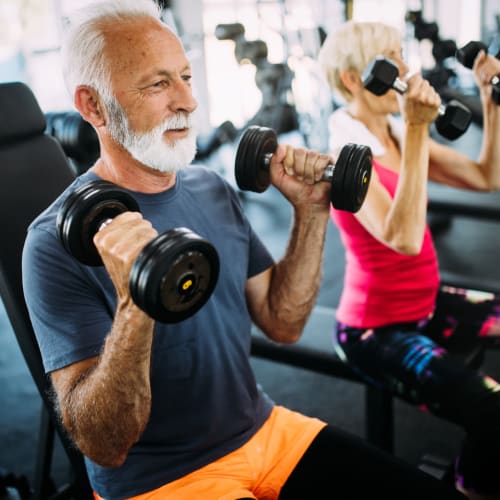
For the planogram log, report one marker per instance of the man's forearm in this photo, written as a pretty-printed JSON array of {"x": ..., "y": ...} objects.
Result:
[
  {"x": 297, "y": 277},
  {"x": 108, "y": 407}
]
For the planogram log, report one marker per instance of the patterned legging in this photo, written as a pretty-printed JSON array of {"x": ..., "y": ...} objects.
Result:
[{"x": 421, "y": 363}]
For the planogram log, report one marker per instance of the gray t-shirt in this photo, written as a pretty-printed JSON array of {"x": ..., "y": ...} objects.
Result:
[{"x": 206, "y": 402}]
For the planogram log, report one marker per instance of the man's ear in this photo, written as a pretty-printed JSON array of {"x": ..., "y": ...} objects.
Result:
[
  {"x": 351, "y": 80},
  {"x": 89, "y": 105}
]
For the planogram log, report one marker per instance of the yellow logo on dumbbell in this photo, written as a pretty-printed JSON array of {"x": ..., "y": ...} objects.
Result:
[{"x": 187, "y": 284}]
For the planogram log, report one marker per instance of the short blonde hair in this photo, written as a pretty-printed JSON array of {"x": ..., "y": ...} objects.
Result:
[{"x": 351, "y": 47}]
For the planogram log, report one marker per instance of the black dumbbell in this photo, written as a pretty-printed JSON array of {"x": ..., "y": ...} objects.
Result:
[
  {"x": 174, "y": 274},
  {"x": 381, "y": 75},
  {"x": 349, "y": 176},
  {"x": 466, "y": 56}
]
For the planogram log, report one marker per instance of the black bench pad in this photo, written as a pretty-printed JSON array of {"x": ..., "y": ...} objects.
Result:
[{"x": 314, "y": 350}]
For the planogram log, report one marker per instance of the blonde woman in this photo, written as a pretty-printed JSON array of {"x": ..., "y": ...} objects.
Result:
[{"x": 394, "y": 321}]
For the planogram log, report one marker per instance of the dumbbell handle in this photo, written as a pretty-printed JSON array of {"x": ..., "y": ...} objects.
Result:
[
  {"x": 104, "y": 223},
  {"x": 327, "y": 175},
  {"x": 401, "y": 87}
]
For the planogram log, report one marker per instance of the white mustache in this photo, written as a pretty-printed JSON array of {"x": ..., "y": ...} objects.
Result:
[{"x": 178, "y": 121}]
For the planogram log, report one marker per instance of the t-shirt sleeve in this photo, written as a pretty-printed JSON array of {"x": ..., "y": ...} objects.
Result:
[
  {"x": 69, "y": 314},
  {"x": 260, "y": 258}
]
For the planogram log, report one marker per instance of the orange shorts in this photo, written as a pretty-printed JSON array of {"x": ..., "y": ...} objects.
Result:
[{"x": 256, "y": 470}]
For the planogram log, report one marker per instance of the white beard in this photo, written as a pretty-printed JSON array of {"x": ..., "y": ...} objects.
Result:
[{"x": 150, "y": 148}]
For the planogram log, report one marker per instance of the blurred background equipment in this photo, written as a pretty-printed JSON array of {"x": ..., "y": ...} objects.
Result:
[
  {"x": 272, "y": 79},
  {"x": 76, "y": 136},
  {"x": 207, "y": 144},
  {"x": 442, "y": 50},
  {"x": 445, "y": 75}
]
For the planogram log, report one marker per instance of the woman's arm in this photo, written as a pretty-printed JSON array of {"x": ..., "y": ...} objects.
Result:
[
  {"x": 400, "y": 222},
  {"x": 450, "y": 167}
]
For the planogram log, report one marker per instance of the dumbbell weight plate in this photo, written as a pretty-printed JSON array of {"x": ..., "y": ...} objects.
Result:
[
  {"x": 351, "y": 177},
  {"x": 84, "y": 211},
  {"x": 455, "y": 120},
  {"x": 495, "y": 93},
  {"x": 251, "y": 169},
  {"x": 467, "y": 54},
  {"x": 174, "y": 275}
]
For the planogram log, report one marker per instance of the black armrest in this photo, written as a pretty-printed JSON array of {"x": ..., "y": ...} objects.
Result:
[
  {"x": 314, "y": 351},
  {"x": 453, "y": 201},
  {"x": 469, "y": 282}
]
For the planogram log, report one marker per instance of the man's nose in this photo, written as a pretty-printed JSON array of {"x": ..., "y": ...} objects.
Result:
[{"x": 181, "y": 98}]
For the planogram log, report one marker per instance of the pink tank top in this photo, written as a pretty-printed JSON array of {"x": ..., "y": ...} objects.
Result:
[{"x": 381, "y": 286}]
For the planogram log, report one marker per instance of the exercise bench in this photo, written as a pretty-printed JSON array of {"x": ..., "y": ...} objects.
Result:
[{"x": 315, "y": 352}]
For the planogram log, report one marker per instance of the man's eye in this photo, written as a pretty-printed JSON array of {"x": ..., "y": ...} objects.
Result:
[
  {"x": 160, "y": 83},
  {"x": 187, "y": 78}
]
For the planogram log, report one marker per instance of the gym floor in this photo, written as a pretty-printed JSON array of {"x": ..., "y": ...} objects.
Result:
[{"x": 465, "y": 246}]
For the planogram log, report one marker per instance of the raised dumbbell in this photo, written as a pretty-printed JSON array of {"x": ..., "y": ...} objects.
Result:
[
  {"x": 174, "y": 274},
  {"x": 349, "y": 176},
  {"x": 381, "y": 75},
  {"x": 466, "y": 56}
]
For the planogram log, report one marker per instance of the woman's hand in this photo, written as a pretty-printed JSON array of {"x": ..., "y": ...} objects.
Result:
[
  {"x": 420, "y": 103},
  {"x": 485, "y": 68}
]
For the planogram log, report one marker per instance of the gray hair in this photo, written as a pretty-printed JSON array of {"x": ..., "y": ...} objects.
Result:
[
  {"x": 82, "y": 52},
  {"x": 351, "y": 47}
]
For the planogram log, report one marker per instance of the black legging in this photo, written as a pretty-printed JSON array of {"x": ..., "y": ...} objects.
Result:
[
  {"x": 359, "y": 471},
  {"x": 413, "y": 360}
]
